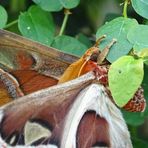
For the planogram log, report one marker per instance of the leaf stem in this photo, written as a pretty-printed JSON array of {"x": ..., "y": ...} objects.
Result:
[
  {"x": 11, "y": 24},
  {"x": 125, "y": 8},
  {"x": 67, "y": 13}
]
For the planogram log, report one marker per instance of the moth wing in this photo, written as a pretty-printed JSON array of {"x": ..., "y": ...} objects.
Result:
[
  {"x": 47, "y": 107},
  {"x": 94, "y": 121}
]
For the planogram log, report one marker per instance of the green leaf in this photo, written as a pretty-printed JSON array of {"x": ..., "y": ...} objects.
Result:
[
  {"x": 146, "y": 60},
  {"x": 143, "y": 53},
  {"x": 56, "y": 5},
  {"x": 138, "y": 35},
  {"x": 125, "y": 76},
  {"x": 49, "y": 5},
  {"x": 84, "y": 39},
  {"x": 139, "y": 143},
  {"x": 37, "y": 24},
  {"x": 69, "y": 45},
  {"x": 3, "y": 17},
  {"x": 111, "y": 16},
  {"x": 117, "y": 28},
  {"x": 141, "y": 7},
  {"x": 69, "y": 3},
  {"x": 132, "y": 118}
]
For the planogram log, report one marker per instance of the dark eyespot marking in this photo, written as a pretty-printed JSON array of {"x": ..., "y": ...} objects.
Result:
[{"x": 100, "y": 144}]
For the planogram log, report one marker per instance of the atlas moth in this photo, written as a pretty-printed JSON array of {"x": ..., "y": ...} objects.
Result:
[
  {"x": 47, "y": 119},
  {"x": 58, "y": 115},
  {"x": 94, "y": 60}
]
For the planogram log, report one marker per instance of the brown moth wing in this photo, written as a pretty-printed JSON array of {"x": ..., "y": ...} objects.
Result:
[
  {"x": 27, "y": 81},
  {"x": 49, "y": 105},
  {"x": 31, "y": 80},
  {"x": 68, "y": 109},
  {"x": 33, "y": 65},
  {"x": 94, "y": 121},
  {"x": 4, "y": 96},
  {"x": 18, "y": 53},
  {"x": 9, "y": 87}
]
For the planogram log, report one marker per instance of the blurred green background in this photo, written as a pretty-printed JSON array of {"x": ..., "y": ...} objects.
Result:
[{"x": 85, "y": 18}]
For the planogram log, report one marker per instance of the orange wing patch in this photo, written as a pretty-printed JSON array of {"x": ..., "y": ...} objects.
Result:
[
  {"x": 4, "y": 96},
  {"x": 79, "y": 67}
]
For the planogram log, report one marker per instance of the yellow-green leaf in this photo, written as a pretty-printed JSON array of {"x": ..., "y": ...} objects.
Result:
[{"x": 125, "y": 76}]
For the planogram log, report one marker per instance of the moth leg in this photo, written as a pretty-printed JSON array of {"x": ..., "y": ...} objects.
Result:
[
  {"x": 89, "y": 52},
  {"x": 98, "y": 41},
  {"x": 94, "y": 48},
  {"x": 105, "y": 52}
]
